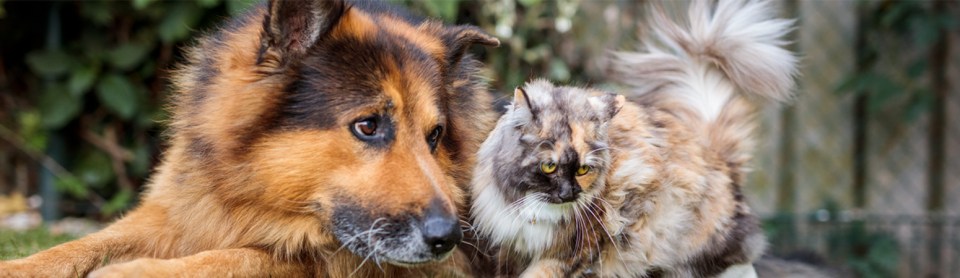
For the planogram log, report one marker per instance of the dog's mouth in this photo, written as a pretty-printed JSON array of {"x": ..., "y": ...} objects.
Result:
[
  {"x": 396, "y": 240},
  {"x": 403, "y": 263}
]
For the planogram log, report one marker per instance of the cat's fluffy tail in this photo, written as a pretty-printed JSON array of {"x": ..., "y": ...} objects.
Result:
[{"x": 700, "y": 64}]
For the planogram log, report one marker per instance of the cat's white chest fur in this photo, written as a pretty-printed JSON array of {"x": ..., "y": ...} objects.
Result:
[{"x": 528, "y": 227}]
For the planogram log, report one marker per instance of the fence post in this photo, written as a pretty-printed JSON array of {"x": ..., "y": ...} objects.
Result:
[
  {"x": 939, "y": 53},
  {"x": 50, "y": 208},
  {"x": 860, "y": 115},
  {"x": 786, "y": 195}
]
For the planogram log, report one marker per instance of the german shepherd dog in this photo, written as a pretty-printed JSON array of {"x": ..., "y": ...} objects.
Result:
[{"x": 308, "y": 138}]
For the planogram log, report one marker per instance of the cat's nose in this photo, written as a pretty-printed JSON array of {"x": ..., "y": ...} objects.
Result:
[
  {"x": 441, "y": 229},
  {"x": 569, "y": 193}
]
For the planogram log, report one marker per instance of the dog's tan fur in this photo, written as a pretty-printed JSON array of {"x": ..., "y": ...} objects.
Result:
[{"x": 249, "y": 186}]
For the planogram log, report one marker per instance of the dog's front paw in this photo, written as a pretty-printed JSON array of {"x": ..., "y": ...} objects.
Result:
[
  {"x": 138, "y": 268},
  {"x": 18, "y": 269},
  {"x": 35, "y": 268}
]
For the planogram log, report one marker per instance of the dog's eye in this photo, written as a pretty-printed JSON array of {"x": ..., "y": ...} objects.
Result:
[
  {"x": 375, "y": 130},
  {"x": 365, "y": 127},
  {"x": 583, "y": 170},
  {"x": 434, "y": 137},
  {"x": 548, "y": 167}
]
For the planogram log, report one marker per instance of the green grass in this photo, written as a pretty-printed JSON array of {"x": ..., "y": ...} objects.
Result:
[{"x": 14, "y": 244}]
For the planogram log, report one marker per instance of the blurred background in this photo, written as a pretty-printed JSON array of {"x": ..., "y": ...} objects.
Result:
[{"x": 860, "y": 172}]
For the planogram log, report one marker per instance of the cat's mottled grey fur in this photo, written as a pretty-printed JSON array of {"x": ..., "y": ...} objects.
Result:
[{"x": 664, "y": 194}]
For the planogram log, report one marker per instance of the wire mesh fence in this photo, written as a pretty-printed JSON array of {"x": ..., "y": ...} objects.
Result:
[{"x": 887, "y": 222}]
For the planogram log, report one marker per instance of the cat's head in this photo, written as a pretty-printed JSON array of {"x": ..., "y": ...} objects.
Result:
[{"x": 561, "y": 148}]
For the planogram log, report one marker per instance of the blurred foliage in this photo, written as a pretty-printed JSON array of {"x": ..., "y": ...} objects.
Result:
[
  {"x": 93, "y": 73},
  {"x": 563, "y": 40},
  {"x": 868, "y": 253},
  {"x": 895, "y": 56},
  {"x": 851, "y": 244}
]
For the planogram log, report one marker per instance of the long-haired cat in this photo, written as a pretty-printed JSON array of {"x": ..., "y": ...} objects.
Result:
[{"x": 573, "y": 182}]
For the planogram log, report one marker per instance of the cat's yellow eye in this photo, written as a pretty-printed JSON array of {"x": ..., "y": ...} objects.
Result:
[
  {"x": 583, "y": 170},
  {"x": 548, "y": 167}
]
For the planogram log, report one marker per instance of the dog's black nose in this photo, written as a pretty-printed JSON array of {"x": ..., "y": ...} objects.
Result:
[{"x": 441, "y": 229}]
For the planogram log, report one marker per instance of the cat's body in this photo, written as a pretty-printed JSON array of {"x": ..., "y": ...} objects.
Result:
[{"x": 664, "y": 197}]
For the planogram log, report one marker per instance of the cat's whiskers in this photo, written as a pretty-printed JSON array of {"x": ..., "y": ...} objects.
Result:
[
  {"x": 578, "y": 226},
  {"x": 601, "y": 199},
  {"x": 603, "y": 227},
  {"x": 535, "y": 212},
  {"x": 467, "y": 227},
  {"x": 593, "y": 231},
  {"x": 518, "y": 206},
  {"x": 582, "y": 204}
]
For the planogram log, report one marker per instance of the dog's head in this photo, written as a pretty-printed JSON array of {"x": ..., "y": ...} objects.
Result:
[{"x": 356, "y": 116}]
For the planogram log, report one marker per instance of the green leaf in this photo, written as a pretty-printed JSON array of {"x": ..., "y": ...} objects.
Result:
[
  {"x": 118, "y": 94},
  {"x": 31, "y": 130},
  {"x": 94, "y": 169},
  {"x": 58, "y": 107},
  {"x": 140, "y": 4},
  {"x": 118, "y": 202},
  {"x": 73, "y": 185},
  {"x": 81, "y": 80},
  {"x": 236, "y": 7},
  {"x": 128, "y": 55},
  {"x": 50, "y": 63},
  {"x": 178, "y": 22}
]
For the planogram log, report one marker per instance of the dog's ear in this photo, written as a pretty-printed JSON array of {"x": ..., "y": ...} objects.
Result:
[
  {"x": 460, "y": 38},
  {"x": 292, "y": 27}
]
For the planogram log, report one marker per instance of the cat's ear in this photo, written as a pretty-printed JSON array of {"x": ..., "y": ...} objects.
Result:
[
  {"x": 608, "y": 105},
  {"x": 521, "y": 100},
  {"x": 616, "y": 105}
]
